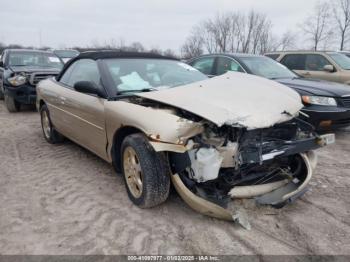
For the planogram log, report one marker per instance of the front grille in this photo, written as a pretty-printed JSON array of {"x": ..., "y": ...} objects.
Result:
[
  {"x": 346, "y": 101},
  {"x": 35, "y": 78}
]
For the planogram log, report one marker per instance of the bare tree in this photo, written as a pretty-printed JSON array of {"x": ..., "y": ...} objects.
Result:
[
  {"x": 156, "y": 50},
  {"x": 341, "y": 14},
  {"x": 169, "y": 53},
  {"x": 231, "y": 32},
  {"x": 136, "y": 47},
  {"x": 287, "y": 41},
  {"x": 192, "y": 47},
  {"x": 316, "y": 26}
]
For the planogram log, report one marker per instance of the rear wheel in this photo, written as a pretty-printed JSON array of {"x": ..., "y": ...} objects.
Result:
[
  {"x": 50, "y": 134},
  {"x": 11, "y": 104},
  {"x": 146, "y": 172}
]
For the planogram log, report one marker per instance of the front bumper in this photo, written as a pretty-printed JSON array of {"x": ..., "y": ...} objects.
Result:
[
  {"x": 283, "y": 195},
  {"x": 24, "y": 94},
  {"x": 327, "y": 117},
  {"x": 276, "y": 193}
]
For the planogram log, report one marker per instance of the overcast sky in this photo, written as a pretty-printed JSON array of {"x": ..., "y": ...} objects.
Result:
[{"x": 155, "y": 23}]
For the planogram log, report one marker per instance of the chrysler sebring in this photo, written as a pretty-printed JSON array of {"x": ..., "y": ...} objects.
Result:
[{"x": 158, "y": 120}]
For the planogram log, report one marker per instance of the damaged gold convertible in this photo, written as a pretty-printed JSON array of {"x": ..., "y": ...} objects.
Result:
[{"x": 159, "y": 120}]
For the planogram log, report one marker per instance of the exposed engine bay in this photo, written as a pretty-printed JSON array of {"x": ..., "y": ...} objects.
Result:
[
  {"x": 272, "y": 165},
  {"x": 225, "y": 161}
]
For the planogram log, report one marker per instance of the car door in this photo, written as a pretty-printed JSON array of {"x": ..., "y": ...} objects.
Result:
[
  {"x": 314, "y": 65},
  {"x": 82, "y": 115},
  {"x": 224, "y": 64},
  {"x": 204, "y": 65}
]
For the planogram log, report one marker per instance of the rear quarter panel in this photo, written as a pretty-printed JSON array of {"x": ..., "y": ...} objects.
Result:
[{"x": 48, "y": 92}]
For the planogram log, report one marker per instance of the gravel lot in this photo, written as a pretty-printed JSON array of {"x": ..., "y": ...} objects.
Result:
[{"x": 64, "y": 200}]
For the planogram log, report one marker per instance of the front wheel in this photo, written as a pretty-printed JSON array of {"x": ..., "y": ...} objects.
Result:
[
  {"x": 1, "y": 93},
  {"x": 11, "y": 104},
  {"x": 50, "y": 134},
  {"x": 146, "y": 172}
]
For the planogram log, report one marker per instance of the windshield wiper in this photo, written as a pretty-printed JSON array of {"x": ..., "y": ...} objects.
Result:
[
  {"x": 136, "y": 90},
  {"x": 123, "y": 93},
  {"x": 284, "y": 77}
]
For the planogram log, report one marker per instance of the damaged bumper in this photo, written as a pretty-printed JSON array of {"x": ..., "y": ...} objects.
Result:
[{"x": 273, "y": 193}]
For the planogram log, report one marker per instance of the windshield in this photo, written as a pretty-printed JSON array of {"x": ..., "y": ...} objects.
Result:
[
  {"x": 35, "y": 59},
  {"x": 138, "y": 74},
  {"x": 66, "y": 53},
  {"x": 342, "y": 60},
  {"x": 266, "y": 67}
]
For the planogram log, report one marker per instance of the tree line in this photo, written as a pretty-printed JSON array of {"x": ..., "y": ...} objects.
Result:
[{"x": 326, "y": 27}]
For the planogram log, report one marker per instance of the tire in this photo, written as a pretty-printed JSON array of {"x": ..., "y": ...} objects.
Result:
[
  {"x": 151, "y": 167},
  {"x": 11, "y": 104},
  {"x": 1, "y": 93},
  {"x": 50, "y": 134}
]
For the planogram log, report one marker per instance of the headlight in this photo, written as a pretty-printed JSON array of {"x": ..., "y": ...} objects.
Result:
[
  {"x": 319, "y": 100},
  {"x": 17, "y": 80}
]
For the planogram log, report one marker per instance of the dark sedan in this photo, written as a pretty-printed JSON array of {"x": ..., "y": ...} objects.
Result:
[{"x": 327, "y": 104}]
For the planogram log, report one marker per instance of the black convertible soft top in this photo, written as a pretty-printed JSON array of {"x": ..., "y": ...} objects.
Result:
[{"x": 95, "y": 55}]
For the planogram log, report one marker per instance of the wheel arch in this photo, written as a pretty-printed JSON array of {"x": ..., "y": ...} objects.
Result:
[{"x": 118, "y": 138}]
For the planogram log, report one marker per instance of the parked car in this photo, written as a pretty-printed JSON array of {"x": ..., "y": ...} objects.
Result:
[
  {"x": 330, "y": 66},
  {"x": 326, "y": 104},
  {"x": 347, "y": 53},
  {"x": 157, "y": 119},
  {"x": 20, "y": 72},
  {"x": 66, "y": 54}
]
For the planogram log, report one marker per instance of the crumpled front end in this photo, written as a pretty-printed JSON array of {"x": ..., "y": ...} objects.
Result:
[
  {"x": 225, "y": 144},
  {"x": 271, "y": 165}
]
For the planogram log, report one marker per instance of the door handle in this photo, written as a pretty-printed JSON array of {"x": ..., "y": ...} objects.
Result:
[
  {"x": 62, "y": 100},
  {"x": 306, "y": 74}
]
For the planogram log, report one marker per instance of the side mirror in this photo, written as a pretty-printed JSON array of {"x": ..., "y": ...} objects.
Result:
[
  {"x": 328, "y": 68},
  {"x": 88, "y": 87},
  {"x": 1, "y": 64}
]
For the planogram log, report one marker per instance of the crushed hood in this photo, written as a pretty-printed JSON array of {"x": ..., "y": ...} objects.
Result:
[{"x": 234, "y": 99}]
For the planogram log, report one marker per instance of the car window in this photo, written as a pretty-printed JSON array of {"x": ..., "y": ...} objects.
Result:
[
  {"x": 315, "y": 62},
  {"x": 225, "y": 64},
  {"x": 273, "y": 56},
  {"x": 34, "y": 59},
  {"x": 205, "y": 65},
  {"x": 266, "y": 67},
  {"x": 82, "y": 70},
  {"x": 65, "y": 77},
  {"x": 341, "y": 59},
  {"x": 66, "y": 53},
  {"x": 294, "y": 62},
  {"x": 136, "y": 74}
]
